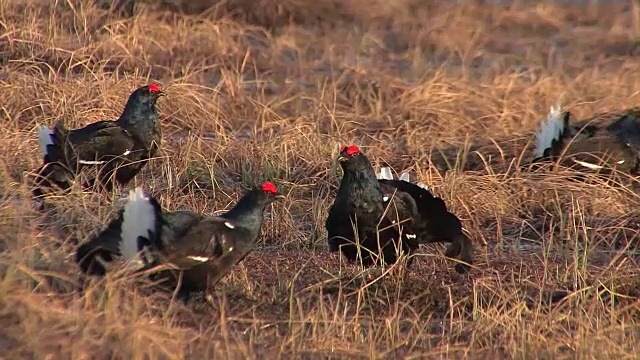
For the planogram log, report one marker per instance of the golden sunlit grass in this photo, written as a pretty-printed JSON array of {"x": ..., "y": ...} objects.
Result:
[{"x": 268, "y": 90}]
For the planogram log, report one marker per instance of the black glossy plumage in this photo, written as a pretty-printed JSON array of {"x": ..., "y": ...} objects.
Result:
[
  {"x": 382, "y": 209},
  {"x": 590, "y": 146},
  {"x": 202, "y": 249},
  {"x": 108, "y": 150}
]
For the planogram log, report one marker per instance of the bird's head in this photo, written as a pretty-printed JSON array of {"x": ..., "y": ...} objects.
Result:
[
  {"x": 350, "y": 158},
  {"x": 147, "y": 95},
  {"x": 268, "y": 193}
]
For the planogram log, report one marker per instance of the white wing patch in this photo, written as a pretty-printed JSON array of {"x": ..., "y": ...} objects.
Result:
[
  {"x": 588, "y": 165},
  {"x": 229, "y": 225},
  {"x": 198, "y": 258},
  {"x": 411, "y": 236},
  {"x": 551, "y": 129},
  {"x": 404, "y": 177},
  {"x": 100, "y": 162},
  {"x": 91, "y": 162},
  {"x": 44, "y": 138},
  {"x": 385, "y": 198},
  {"x": 385, "y": 173},
  {"x": 138, "y": 218}
]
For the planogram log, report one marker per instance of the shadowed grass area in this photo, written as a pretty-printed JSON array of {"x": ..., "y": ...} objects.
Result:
[{"x": 268, "y": 90}]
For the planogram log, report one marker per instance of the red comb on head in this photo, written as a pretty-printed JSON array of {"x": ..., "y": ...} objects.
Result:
[
  {"x": 351, "y": 150},
  {"x": 153, "y": 88},
  {"x": 269, "y": 187}
]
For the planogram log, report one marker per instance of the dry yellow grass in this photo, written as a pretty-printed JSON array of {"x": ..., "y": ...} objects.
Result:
[{"x": 450, "y": 92}]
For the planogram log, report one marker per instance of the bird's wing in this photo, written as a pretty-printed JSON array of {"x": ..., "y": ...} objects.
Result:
[
  {"x": 401, "y": 210},
  {"x": 599, "y": 150},
  {"x": 427, "y": 205},
  {"x": 205, "y": 240},
  {"x": 100, "y": 142},
  {"x": 435, "y": 223},
  {"x": 208, "y": 250},
  {"x": 177, "y": 223},
  {"x": 400, "y": 206}
]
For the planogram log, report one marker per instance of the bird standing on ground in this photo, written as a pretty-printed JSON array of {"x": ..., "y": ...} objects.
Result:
[
  {"x": 587, "y": 146},
  {"x": 112, "y": 149},
  {"x": 388, "y": 215},
  {"x": 203, "y": 248}
]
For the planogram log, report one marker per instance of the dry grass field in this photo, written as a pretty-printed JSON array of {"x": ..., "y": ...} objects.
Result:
[{"x": 268, "y": 90}]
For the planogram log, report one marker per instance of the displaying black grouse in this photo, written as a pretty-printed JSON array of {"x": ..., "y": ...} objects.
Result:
[
  {"x": 111, "y": 149},
  {"x": 203, "y": 248},
  {"x": 385, "y": 211},
  {"x": 587, "y": 146}
]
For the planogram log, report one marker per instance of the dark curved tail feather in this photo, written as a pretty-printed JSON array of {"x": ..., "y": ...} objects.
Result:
[
  {"x": 106, "y": 245},
  {"x": 54, "y": 172},
  {"x": 136, "y": 227},
  {"x": 448, "y": 228}
]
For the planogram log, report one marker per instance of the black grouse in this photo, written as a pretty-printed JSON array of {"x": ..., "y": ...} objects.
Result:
[
  {"x": 588, "y": 146},
  {"x": 104, "y": 148},
  {"x": 203, "y": 248},
  {"x": 383, "y": 209}
]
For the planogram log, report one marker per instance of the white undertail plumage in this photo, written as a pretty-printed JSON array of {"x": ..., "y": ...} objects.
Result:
[
  {"x": 44, "y": 138},
  {"x": 423, "y": 185},
  {"x": 550, "y": 130},
  {"x": 138, "y": 219},
  {"x": 386, "y": 174}
]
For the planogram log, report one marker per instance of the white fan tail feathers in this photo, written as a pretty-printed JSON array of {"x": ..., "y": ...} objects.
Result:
[
  {"x": 138, "y": 218},
  {"x": 550, "y": 130},
  {"x": 385, "y": 173},
  {"x": 44, "y": 138}
]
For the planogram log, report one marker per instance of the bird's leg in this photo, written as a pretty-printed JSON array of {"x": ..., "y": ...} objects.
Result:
[
  {"x": 208, "y": 291},
  {"x": 178, "y": 292}
]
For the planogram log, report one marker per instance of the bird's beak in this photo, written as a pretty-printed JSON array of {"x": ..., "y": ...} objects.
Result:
[{"x": 161, "y": 94}]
